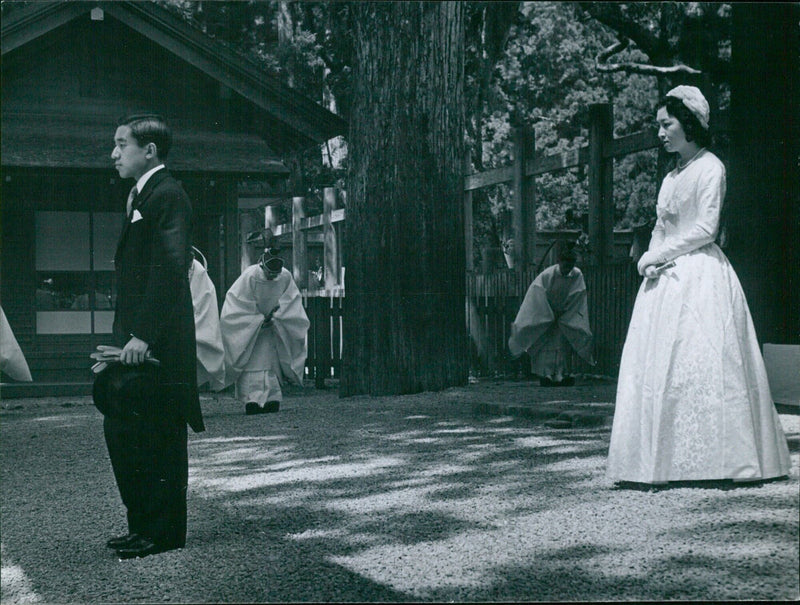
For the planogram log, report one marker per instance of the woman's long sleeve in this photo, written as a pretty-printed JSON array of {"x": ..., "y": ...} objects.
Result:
[
  {"x": 710, "y": 193},
  {"x": 657, "y": 236}
]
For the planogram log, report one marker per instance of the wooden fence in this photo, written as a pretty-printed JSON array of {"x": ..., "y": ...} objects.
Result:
[{"x": 493, "y": 298}]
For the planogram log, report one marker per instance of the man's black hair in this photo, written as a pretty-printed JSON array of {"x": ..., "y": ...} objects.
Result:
[{"x": 149, "y": 128}]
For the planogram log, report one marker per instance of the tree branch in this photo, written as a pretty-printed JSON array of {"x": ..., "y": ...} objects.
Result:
[
  {"x": 631, "y": 67},
  {"x": 611, "y": 15}
]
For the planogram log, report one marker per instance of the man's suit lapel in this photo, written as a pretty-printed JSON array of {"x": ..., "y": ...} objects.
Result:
[{"x": 139, "y": 202}]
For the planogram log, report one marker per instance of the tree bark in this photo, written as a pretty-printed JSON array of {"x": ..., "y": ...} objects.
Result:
[
  {"x": 763, "y": 202},
  {"x": 404, "y": 323}
]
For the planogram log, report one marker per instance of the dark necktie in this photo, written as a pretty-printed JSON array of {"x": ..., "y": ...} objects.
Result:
[{"x": 134, "y": 192}]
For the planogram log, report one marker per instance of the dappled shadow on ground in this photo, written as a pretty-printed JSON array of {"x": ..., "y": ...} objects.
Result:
[
  {"x": 393, "y": 499},
  {"x": 433, "y": 506}
]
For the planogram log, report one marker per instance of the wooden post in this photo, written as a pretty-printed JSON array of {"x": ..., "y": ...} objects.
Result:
[
  {"x": 468, "y": 220},
  {"x": 270, "y": 217},
  {"x": 247, "y": 224},
  {"x": 524, "y": 212},
  {"x": 321, "y": 340},
  {"x": 601, "y": 184},
  {"x": 299, "y": 255},
  {"x": 230, "y": 241},
  {"x": 331, "y": 260}
]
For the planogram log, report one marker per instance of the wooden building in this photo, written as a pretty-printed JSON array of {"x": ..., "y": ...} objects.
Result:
[{"x": 69, "y": 71}]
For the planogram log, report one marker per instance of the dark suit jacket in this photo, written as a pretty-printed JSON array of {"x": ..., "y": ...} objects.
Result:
[{"x": 154, "y": 302}]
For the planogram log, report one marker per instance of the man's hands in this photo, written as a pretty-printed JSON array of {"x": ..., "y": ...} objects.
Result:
[
  {"x": 134, "y": 352},
  {"x": 268, "y": 316}
]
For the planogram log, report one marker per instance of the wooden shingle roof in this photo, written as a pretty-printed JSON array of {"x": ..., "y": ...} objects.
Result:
[{"x": 300, "y": 121}]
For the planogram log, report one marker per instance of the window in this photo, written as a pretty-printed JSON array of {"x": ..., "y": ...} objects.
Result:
[{"x": 75, "y": 291}]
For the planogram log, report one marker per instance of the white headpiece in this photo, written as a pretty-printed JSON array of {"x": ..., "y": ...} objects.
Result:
[{"x": 694, "y": 101}]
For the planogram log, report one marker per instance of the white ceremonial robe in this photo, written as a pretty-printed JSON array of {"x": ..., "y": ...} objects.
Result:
[
  {"x": 552, "y": 319},
  {"x": 258, "y": 357},
  {"x": 12, "y": 360},
  {"x": 210, "y": 350},
  {"x": 693, "y": 399}
]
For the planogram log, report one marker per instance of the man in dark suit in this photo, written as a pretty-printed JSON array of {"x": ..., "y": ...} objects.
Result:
[{"x": 146, "y": 435}]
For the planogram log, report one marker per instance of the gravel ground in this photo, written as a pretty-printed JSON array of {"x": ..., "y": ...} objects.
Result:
[{"x": 492, "y": 492}]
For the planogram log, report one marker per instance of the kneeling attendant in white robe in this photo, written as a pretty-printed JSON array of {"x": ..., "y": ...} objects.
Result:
[
  {"x": 553, "y": 320},
  {"x": 264, "y": 329}
]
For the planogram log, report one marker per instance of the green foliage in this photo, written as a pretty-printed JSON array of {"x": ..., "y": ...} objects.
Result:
[
  {"x": 527, "y": 63},
  {"x": 547, "y": 78}
]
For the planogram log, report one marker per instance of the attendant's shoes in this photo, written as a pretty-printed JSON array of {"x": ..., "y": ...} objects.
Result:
[
  {"x": 544, "y": 381},
  {"x": 251, "y": 408},
  {"x": 121, "y": 541},
  {"x": 271, "y": 407},
  {"x": 143, "y": 547},
  {"x": 568, "y": 381}
]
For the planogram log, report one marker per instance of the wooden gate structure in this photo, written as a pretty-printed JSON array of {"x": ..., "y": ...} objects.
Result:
[{"x": 493, "y": 297}]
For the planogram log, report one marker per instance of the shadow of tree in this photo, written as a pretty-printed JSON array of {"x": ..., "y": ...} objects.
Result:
[{"x": 392, "y": 500}]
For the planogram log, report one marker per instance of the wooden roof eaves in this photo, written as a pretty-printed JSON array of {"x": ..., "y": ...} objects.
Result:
[
  {"x": 238, "y": 72},
  {"x": 312, "y": 122},
  {"x": 29, "y": 23}
]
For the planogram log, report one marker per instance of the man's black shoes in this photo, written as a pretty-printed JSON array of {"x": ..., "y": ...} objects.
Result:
[
  {"x": 143, "y": 547},
  {"x": 251, "y": 408},
  {"x": 122, "y": 541}
]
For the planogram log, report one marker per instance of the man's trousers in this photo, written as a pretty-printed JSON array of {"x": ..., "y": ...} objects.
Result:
[{"x": 150, "y": 461}]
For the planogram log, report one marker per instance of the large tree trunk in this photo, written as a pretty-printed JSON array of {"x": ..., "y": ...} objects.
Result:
[
  {"x": 763, "y": 185},
  {"x": 404, "y": 324}
]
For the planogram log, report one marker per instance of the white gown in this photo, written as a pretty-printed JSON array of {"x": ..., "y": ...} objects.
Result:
[
  {"x": 210, "y": 350},
  {"x": 12, "y": 360},
  {"x": 553, "y": 319},
  {"x": 259, "y": 357},
  {"x": 693, "y": 401}
]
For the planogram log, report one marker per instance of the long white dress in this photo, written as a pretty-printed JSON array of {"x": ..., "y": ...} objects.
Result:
[
  {"x": 693, "y": 401},
  {"x": 259, "y": 357}
]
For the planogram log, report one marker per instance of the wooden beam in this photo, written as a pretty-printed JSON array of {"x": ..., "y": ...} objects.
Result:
[
  {"x": 601, "y": 195},
  {"x": 230, "y": 235},
  {"x": 468, "y": 220},
  {"x": 633, "y": 143},
  {"x": 311, "y": 222},
  {"x": 301, "y": 114},
  {"x": 524, "y": 212},
  {"x": 299, "y": 248},
  {"x": 37, "y": 20},
  {"x": 332, "y": 261},
  {"x": 489, "y": 177}
]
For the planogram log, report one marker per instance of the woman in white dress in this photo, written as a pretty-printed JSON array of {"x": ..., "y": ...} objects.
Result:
[{"x": 693, "y": 401}]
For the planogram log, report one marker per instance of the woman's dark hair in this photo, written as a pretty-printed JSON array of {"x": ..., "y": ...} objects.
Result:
[
  {"x": 691, "y": 125},
  {"x": 149, "y": 128}
]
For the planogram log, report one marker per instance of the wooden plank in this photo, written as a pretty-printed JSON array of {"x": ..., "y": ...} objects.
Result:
[
  {"x": 600, "y": 184},
  {"x": 559, "y": 161},
  {"x": 479, "y": 180},
  {"x": 310, "y": 222},
  {"x": 468, "y": 221},
  {"x": 524, "y": 212},
  {"x": 633, "y": 143},
  {"x": 332, "y": 262},
  {"x": 299, "y": 249}
]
